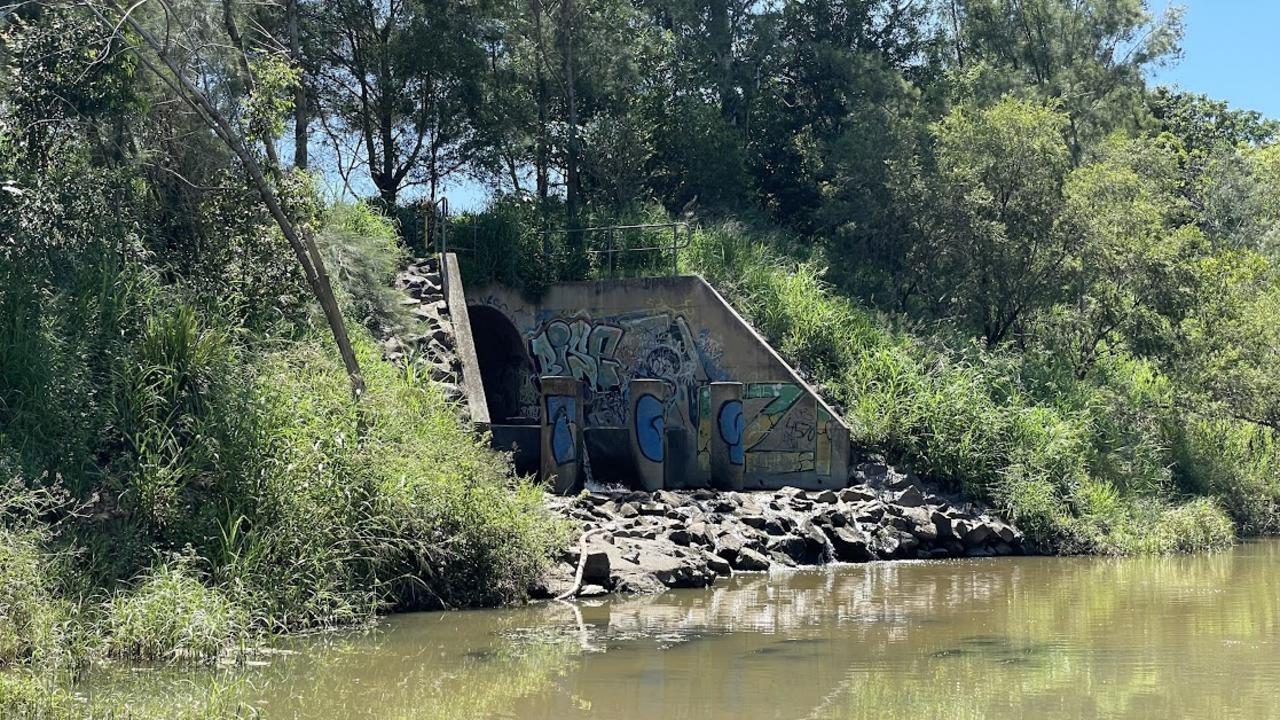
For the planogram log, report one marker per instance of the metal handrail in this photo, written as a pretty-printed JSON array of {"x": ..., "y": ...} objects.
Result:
[
  {"x": 438, "y": 217},
  {"x": 675, "y": 247}
]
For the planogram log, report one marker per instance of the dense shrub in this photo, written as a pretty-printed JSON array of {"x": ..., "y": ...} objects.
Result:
[
  {"x": 208, "y": 419},
  {"x": 342, "y": 508}
]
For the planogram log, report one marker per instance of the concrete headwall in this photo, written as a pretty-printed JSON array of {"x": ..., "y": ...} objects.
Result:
[
  {"x": 464, "y": 344},
  {"x": 679, "y": 330}
]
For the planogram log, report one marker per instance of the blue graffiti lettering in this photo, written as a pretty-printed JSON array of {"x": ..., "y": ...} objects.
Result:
[
  {"x": 581, "y": 350},
  {"x": 650, "y": 426},
  {"x": 731, "y": 427},
  {"x": 561, "y": 410}
]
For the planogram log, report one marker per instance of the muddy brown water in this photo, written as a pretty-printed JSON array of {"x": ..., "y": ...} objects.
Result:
[{"x": 1037, "y": 638}]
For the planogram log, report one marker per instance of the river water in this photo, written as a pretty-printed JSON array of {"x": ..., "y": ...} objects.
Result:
[{"x": 1166, "y": 637}]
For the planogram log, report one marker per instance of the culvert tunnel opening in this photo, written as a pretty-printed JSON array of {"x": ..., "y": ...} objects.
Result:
[{"x": 504, "y": 363}]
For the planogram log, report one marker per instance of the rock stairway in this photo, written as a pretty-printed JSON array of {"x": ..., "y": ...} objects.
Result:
[
  {"x": 668, "y": 539},
  {"x": 429, "y": 341}
]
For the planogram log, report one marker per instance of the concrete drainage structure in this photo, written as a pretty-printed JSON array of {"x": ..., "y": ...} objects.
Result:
[
  {"x": 674, "y": 389},
  {"x": 660, "y": 393}
]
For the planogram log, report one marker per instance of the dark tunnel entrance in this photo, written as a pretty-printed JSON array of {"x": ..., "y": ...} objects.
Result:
[{"x": 504, "y": 363}]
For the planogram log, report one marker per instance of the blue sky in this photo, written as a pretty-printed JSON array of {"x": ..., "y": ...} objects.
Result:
[{"x": 1230, "y": 52}]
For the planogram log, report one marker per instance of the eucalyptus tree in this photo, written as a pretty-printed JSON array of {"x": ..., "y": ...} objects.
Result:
[
  {"x": 400, "y": 84},
  {"x": 1090, "y": 56}
]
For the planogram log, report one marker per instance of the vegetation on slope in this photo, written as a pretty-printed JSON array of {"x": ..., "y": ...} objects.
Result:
[
  {"x": 1060, "y": 459},
  {"x": 1012, "y": 263}
]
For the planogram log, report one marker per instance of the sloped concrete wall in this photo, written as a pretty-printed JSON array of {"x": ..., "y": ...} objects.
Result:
[
  {"x": 464, "y": 344},
  {"x": 679, "y": 330}
]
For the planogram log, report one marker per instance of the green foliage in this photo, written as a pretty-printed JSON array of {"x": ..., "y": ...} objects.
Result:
[
  {"x": 344, "y": 510},
  {"x": 165, "y": 389},
  {"x": 993, "y": 230},
  {"x": 1081, "y": 464},
  {"x": 1091, "y": 56},
  {"x": 503, "y": 244},
  {"x": 361, "y": 251},
  {"x": 268, "y": 103},
  {"x": 1236, "y": 462},
  {"x": 171, "y": 615},
  {"x": 32, "y": 619}
]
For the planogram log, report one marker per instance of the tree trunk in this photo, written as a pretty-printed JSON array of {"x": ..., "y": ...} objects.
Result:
[
  {"x": 301, "y": 242},
  {"x": 541, "y": 155},
  {"x": 571, "y": 110},
  {"x": 301, "y": 117},
  {"x": 722, "y": 51}
]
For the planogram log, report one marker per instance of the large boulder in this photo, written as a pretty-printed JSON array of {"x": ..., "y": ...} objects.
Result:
[
  {"x": 857, "y": 494},
  {"x": 977, "y": 535},
  {"x": 921, "y": 523},
  {"x": 729, "y": 545},
  {"x": 793, "y": 547},
  {"x": 779, "y": 525},
  {"x": 750, "y": 560},
  {"x": 942, "y": 523},
  {"x": 884, "y": 544},
  {"x": 717, "y": 564},
  {"x": 825, "y": 497},
  {"x": 850, "y": 544},
  {"x": 597, "y": 566},
  {"x": 910, "y": 497}
]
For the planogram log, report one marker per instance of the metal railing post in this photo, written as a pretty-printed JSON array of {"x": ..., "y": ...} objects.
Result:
[
  {"x": 675, "y": 249},
  {"x": 444, "y": 225},
  {"x": 613, "y": 267}
]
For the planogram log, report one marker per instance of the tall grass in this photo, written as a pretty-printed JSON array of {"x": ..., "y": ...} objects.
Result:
[
  {"x": 180, "y": 476},
  {"x": 362, "y": 253},
  {"x": 1083, "y": 466},
  {"x": 172, "y": 615}
]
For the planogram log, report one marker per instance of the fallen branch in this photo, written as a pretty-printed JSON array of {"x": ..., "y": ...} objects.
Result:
[{"x": 582, "y": 565}]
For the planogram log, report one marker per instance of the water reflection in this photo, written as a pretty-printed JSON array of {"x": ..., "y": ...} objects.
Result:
[{"x": 1045, "y": 637}]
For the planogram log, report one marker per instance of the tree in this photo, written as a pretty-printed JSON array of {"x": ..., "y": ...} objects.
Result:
[
  {"x": 1231, "y": 342},
  {"x": 1130, "y": 277},
  {"x": 836, "y": 77},
  {"x": 994, "y": 247},
  {"x": 1090, "y": 56},
  {"x": 1202, "y": 124},
  {"x": 400, "y": 81},
  {"x": 239, "y": 133}
]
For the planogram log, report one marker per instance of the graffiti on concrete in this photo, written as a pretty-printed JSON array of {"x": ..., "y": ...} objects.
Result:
[
  {"x": 780, "y": 429},
  {"x": 731, "y": 426},
  {"x": 581, "y": 350},
  {"x": 824, "y": 448},
  {"x": 607, "y": 353},
  {"x": 562, "y": 410},
  {"x": 650, "y": 427}
]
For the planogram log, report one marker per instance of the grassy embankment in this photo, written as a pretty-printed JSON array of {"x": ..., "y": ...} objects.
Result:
[
  {"x": 177, "y": 483},
  {"x": 1112, "y": 463},
  {"x": 1116, "y": 462}
]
